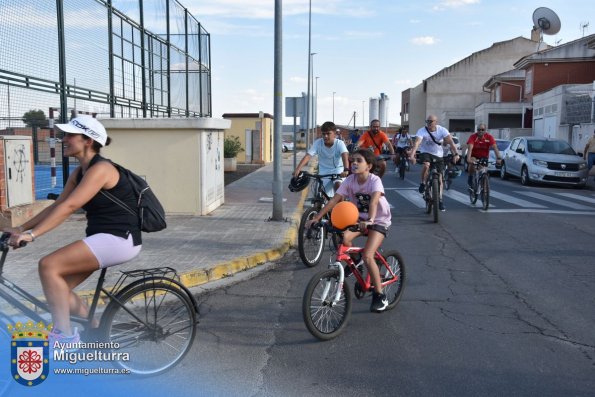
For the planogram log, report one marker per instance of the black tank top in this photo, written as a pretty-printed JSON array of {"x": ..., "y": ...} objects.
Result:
[{"x": 105, "y": 216}]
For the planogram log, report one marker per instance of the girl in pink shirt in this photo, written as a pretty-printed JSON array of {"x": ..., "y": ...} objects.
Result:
[{"x": 366, "y": 191}]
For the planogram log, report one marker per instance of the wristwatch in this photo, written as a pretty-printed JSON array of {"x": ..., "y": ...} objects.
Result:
[{"x": 30, "y": 233}]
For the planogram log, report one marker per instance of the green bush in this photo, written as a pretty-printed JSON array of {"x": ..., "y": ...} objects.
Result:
[{"x": 231, "y": 147}]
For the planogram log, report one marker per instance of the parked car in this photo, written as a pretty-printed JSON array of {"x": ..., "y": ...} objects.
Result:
[
  {"x": 502, "y": 145},
  {"x": 546, "y": 160},
  {"x": 287, "y": 145}
]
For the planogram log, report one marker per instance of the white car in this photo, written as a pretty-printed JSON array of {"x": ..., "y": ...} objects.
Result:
[
  {"x": 544, "y": 160},
  {"x": 287, "y": 146},
  {"x": 502, "y": 145}
]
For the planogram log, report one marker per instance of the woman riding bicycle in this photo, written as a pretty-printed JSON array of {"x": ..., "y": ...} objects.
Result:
[
  {"x": 113, "y": 234},
  {"x": 366, "y": 191}
]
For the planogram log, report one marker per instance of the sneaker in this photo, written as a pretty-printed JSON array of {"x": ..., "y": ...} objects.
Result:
[
  {"x": 379, "y": 302},
  {"x": 57, "y": 336},
  {"x": 422, "y": 187},
  {"x": 441, "y": 206}
]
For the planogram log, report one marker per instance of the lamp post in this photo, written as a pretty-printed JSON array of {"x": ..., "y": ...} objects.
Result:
[
  {"x": 363, "y": 113},
  {"x": 334, "y": 106},
  {"x": 316, "y": 101},
  {"x": 312, "y": 102},
  {"x": 309, "y": 74}
]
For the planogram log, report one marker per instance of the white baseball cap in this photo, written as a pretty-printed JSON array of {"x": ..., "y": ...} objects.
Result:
[{"x": 88, "y": 126}]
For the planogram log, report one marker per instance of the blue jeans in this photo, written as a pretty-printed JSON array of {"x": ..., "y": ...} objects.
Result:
[{"x": 590, "y": 160}]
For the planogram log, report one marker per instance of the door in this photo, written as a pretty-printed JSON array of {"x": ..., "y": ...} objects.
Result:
[
  {"x": 19, "y": 186},
  {"x": 512, "y": 157}
]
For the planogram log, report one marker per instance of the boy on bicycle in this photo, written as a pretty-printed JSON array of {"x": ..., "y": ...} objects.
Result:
[
  {"x": 333, "y": 157},
  {"x": 479, "y": 145},
  {"x": 366, "y": 191}
]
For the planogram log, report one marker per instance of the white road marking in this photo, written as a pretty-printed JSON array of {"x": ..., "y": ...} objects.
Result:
[
  {"x": 462, "y": 198},
  {"x": 540, "y": 211},
  {"x": 578, "y": 197},
  {"x": 515, "y": 200},
  {"x": 563, "y": 203}
]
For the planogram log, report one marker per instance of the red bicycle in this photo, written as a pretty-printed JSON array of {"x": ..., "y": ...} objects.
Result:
[{"x": 326, "y": 306}]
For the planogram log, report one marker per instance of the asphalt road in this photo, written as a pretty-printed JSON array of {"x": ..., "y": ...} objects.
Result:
[{"x": 496, "y": 303}]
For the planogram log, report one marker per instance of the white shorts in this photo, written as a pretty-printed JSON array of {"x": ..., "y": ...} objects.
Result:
[{"x": 111, "y": 250}]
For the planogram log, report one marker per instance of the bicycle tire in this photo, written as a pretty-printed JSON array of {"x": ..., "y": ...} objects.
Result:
[
  {"x": 324, "y": 321},
  {"x": 162, "y": 305},
  {"x": 435, "y": 198},
  {"x": 485, "y": 191},
  {"x": 428, "y": 197},
  {"x": 473, "y": 191},
  {"x": 394, "y": 291},
  {"x": 402, "y": 168},
  {"x": 446, "y": 178},
  {"x": 6, "y": 380},
  {"x": 310, "y": 241}
]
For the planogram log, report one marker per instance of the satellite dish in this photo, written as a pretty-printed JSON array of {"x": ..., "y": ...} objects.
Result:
[{"x": 546, "y": 21}]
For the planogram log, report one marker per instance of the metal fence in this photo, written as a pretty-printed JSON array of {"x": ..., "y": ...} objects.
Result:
[{"x": 112, "y": 58}]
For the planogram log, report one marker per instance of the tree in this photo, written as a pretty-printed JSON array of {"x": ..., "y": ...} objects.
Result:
[{"x": 35, "y": 118}]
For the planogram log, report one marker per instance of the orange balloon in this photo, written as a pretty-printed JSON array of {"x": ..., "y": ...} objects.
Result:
[{"x": 344, "y": 214}]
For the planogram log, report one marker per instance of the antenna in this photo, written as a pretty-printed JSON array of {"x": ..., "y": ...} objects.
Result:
[
  {"x": 546, "y": 21},
  {"x": 584, "y": 26}
]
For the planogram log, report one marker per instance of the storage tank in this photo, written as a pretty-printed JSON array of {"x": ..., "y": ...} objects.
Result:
[
  {"x": 383, "y": 110},
  {"x": 373, "y": 110}
]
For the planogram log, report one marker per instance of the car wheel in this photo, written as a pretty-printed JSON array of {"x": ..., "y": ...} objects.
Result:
[
  {"x": 525, "y": 176},
  {"x": 503, "y": 175}
]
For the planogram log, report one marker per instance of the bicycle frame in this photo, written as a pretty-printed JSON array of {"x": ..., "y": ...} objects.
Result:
[{"x": 39, "y": 305}]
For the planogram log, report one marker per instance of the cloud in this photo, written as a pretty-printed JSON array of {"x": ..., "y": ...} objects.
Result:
[
  {"x": 454, "y": 4},
  {"x": 424, "y": 40}
]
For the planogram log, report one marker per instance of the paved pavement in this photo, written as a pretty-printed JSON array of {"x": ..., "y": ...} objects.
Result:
[{"x": 207, "y": 251}]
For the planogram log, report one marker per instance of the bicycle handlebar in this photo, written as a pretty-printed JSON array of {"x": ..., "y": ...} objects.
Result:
[
  {"x": 317, "y": 176},
  {"x": 4, "y": 246}
]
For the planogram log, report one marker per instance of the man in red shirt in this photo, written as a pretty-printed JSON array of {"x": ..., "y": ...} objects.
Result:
[
  {"x": 375, "y": 139},
  {"x": 478, "y": 147}
]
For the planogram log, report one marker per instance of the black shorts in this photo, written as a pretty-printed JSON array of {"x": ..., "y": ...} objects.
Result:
[
  {"x": 430, "y": 158},
  {"x": 379, "y": 228},
  {"x": 400, "y": 150}
]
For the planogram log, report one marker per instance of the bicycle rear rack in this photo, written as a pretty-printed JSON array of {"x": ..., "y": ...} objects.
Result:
[{"x": 155, "y": 272}]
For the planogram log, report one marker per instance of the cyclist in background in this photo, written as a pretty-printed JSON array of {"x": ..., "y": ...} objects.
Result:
[
  {"x": 429, "y": 139},
  {"x": 113, "y": 234},
  {"x": 366, "y": 191},
  {"x": 374, "y": 139},
  {"x": 401, "y": 141},
  {"x": 478, "y": 147},
  {"x": 333, "y": 157}
]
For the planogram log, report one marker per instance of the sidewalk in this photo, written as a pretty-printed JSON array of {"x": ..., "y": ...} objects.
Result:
[{"x": 206, "y": 251}]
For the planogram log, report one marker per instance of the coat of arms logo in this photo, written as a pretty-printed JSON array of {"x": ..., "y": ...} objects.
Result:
[{"x": 29, "y": 352}]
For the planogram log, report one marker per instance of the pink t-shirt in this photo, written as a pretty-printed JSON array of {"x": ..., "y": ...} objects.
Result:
[{"x": 361, "y": 195}]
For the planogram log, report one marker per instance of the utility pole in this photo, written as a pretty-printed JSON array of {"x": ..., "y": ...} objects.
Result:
[{"x": 278, "y": 118}]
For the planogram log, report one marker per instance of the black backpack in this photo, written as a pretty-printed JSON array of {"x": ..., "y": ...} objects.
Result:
[{"x": 150, "y": 212}]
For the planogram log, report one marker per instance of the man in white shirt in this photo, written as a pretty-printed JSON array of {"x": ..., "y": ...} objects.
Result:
[{"x": 430, "y": 139}]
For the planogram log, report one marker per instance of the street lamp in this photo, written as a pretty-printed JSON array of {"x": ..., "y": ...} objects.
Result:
[
  {"x": 363, "y": 113},
  {"x": 312, "y": 103},
  {"x": 334, "y": 106},
  {"x": 309, "y": 74},
  {"x": 316, "y": 102}
]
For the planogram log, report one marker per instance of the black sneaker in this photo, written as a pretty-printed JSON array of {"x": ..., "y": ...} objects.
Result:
[
  {"x": 379, "y": 302},
  {"x": 441, "y": 206},
  {"x": 422, "y": 187}
]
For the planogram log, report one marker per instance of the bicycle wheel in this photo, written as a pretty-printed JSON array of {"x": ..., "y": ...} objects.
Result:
[
  {"x": 435, "y": 198},
  {"x": 428, "y": 197},
  {"x": 310, "y": 241},
  {"x": 155, "y": 323},
  {"x": 485, "y": 191},
  {"x": 402, "y": 168},
  {"x": 393, "y": 291},
  {"x": 323, "y": 318},
  {"x": 473, "y": 191}
]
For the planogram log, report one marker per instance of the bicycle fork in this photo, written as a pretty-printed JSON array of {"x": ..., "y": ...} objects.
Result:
[{"x": 327, "y": 286}]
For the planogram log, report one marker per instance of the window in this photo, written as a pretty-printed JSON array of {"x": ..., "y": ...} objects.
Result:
[{"x": 529, "y": 81}]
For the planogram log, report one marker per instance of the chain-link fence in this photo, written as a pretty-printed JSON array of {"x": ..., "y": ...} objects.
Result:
[{"x": 111, "y": 58}]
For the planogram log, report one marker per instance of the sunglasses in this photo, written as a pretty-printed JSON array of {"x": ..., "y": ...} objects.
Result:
[
  {"x": 430, "y": 121},
  {"x": 481, "y": 129}
]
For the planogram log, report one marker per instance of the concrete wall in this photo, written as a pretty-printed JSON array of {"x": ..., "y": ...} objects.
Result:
[
  {"x": 240, "y": 122},
  {"x": 181, "y": 159},
  {"x": 455, "y": 91}
]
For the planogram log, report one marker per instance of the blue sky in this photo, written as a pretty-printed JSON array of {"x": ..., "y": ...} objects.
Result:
[{"x": 364, "y": 47}]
